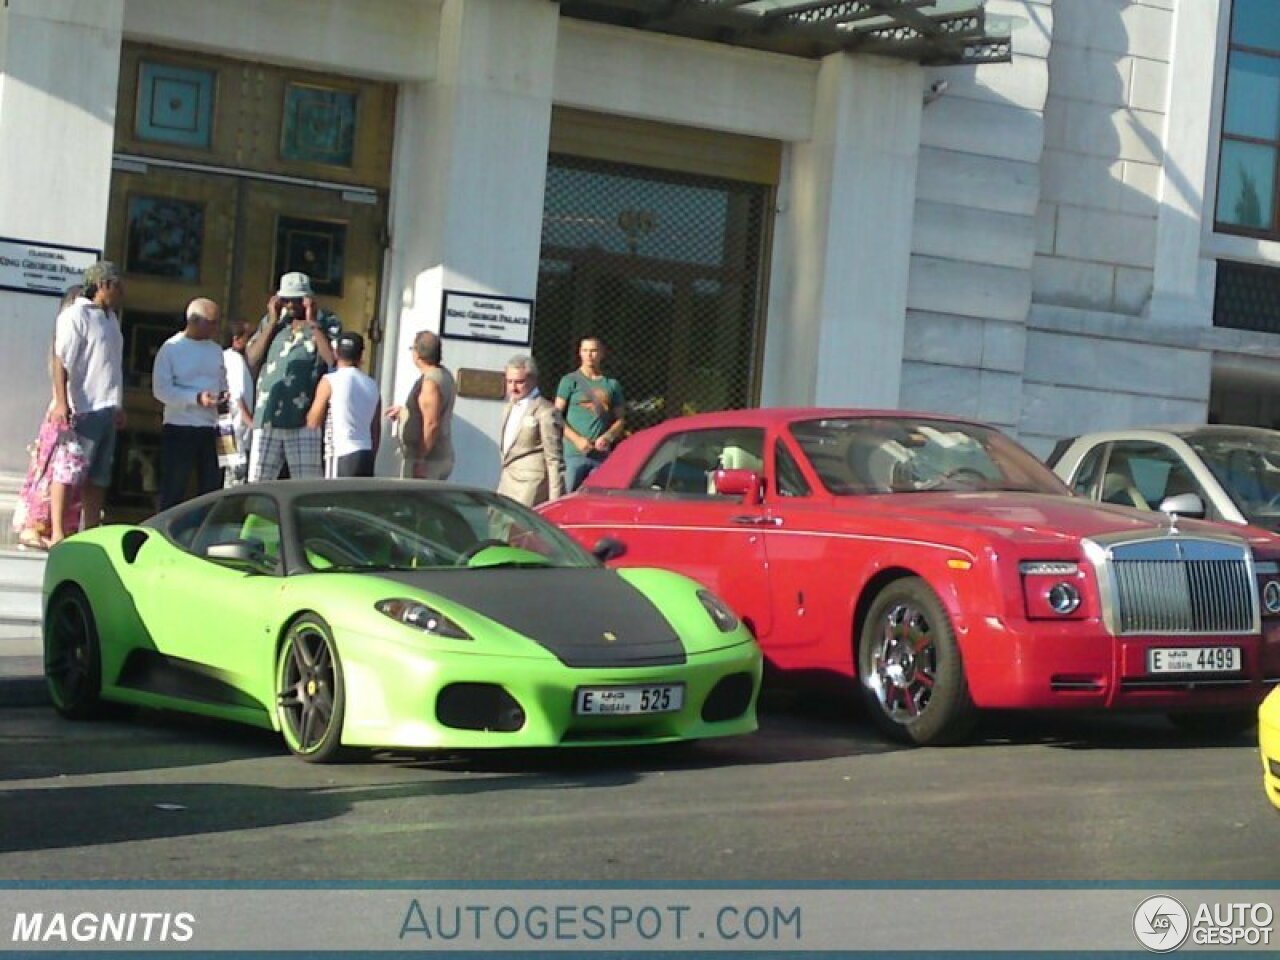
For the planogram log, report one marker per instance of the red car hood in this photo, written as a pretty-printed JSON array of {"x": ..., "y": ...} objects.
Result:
[{"x": 1034, "y": 515}]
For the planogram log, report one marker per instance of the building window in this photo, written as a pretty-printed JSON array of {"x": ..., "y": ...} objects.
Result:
[
  {"x": 1247, "y": 297},
  {"x": 1247, "y": 166}
]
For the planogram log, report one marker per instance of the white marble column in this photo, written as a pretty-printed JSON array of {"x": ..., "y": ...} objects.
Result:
[
  {"x": 466, "y": 203},
  {"x": 836, "y": 331},
  {"x": 1182, "y": 287},
  {"x": 59, "y": 62}
]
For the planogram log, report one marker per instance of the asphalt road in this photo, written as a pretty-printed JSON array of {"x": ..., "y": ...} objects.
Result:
[{"x": 816, "y": 795}]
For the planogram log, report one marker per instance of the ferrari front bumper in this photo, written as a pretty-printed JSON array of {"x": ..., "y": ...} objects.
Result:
[{"x": 411, "y": 703}]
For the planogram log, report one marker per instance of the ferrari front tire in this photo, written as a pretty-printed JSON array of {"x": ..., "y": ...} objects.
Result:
[
  {"x": 72, "y": 655},
  {"x": 310, "y": 691},
  {"x": 912, "y": 677}
]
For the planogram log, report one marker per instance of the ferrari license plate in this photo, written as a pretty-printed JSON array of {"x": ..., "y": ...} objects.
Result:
[
  {"x": 1193, "y": 659},
  {"x": 599, "y": 701}
]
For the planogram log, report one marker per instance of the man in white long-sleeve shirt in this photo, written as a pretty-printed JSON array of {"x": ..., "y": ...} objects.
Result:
[{"x": 189, "y": 379}]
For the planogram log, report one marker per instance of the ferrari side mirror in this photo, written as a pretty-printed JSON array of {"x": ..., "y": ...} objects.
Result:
[
  {"x": 608, "y": 548},
  {"x": 247, "y": 555}
]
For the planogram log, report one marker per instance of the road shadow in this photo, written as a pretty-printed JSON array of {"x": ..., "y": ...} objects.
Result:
[
  {"x": 126, "y": 740},
  {"x": 795, "y": 726},
  {"x": 1099, "y": 731},
  {"x": 53, "y": 817},
  {"x": 830, "y": 705}
]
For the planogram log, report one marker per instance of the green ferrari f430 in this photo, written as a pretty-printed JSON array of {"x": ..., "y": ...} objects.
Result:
[{"x": 389, "y": 613}]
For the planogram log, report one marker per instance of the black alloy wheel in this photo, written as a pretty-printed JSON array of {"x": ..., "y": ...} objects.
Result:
[
  {"x": 72, "y": 655},
  {"x": 310, "y": 691}
]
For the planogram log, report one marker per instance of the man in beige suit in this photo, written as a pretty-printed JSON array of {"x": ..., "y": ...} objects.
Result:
[{"x": 531, "y": 439}]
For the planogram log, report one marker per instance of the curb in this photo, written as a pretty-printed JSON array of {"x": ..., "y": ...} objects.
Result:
[
  {"x": 22, "y": 681},
  {"x": 23, "y": 692}
]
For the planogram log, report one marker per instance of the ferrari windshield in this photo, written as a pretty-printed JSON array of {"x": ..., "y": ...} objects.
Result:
[
  {"x": 860, "y": 455},
  {"x": 1248, "y": 467},
  {"x": 422, "y": 529}
]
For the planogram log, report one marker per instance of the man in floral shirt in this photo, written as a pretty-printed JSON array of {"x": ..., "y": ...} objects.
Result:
[{"x": 291, "y": 351}]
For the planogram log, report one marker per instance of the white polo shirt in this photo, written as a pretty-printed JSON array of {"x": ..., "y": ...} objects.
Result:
[{"x": 89, "y": 344}]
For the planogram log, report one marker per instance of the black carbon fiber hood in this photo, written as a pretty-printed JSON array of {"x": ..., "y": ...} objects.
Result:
[{"x": 588, "y": 618}]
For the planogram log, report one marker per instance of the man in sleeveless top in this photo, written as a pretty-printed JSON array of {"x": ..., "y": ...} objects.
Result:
[
  {"x": 426, "y": 419},
  {"x": 352, "y": 395}
]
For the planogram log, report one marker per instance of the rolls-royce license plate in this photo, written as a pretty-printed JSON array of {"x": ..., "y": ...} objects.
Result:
[{"x": 1193, "y": 659}]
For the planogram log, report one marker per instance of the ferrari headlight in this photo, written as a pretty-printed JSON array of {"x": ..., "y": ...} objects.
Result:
[
  {"x": 724, "y": 617},
  {"x": 419, "y": 615}
]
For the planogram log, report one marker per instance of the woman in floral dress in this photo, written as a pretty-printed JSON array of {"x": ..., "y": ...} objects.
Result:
[{"x": 56, "y": 455}]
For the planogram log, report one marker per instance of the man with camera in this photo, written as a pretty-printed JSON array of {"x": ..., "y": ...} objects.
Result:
[{"x": 291, "y": 351}]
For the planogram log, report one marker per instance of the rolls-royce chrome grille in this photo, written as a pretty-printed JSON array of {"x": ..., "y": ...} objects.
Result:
[{"x": 1179, "y": 585}]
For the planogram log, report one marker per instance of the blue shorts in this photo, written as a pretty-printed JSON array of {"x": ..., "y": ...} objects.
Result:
[{"x": 97, "y": 432}]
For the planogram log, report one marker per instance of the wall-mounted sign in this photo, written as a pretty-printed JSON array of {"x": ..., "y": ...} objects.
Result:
[
  {"x": 42, "y": 267},
  {"x": 490, "y": 319},
  {"x": 482, "y": 384}
]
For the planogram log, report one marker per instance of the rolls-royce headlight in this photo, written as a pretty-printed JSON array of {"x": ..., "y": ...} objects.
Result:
[
  {"x": 1064, "y": 598},
  {"x": 1268, "y": 572},
  {"x": 1052, "y": 589},
  {"x": 724, "y": 618},
  {"x": 1271, "y": 597},
  {"x": 414, "y": 614}
]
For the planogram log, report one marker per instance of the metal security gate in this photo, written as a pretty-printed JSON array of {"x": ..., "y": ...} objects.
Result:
[{"x": 668, "y": 269}]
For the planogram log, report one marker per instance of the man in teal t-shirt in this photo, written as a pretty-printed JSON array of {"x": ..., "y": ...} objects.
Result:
[{"x": 594, "y": 413}]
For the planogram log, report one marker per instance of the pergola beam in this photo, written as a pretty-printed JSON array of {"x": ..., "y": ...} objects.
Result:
[{"x": 935, "y": 32}]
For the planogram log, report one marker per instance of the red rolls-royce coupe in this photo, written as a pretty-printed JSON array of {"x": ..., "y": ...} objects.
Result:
[{"x": 942, "y": 566}]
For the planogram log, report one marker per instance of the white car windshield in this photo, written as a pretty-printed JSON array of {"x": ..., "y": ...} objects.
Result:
[{"x": 1247, "y": 464}]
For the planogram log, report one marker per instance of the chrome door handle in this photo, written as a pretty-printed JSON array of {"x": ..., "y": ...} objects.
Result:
[{"x": 756, "y": 520}]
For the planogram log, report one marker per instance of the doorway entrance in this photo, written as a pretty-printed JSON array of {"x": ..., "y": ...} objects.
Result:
[{"x": 668, "y": 269}]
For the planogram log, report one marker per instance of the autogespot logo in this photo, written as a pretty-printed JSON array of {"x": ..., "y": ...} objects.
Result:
[{"x": 1161, "y": 924}]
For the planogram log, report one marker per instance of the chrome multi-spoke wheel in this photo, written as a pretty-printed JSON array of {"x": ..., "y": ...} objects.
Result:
[
  {"x": 903, "y": 663},
  {"x": 310, "y": 694},
  {"x": 72, "y": 657},
  {"x": 910, "y": 666}
]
